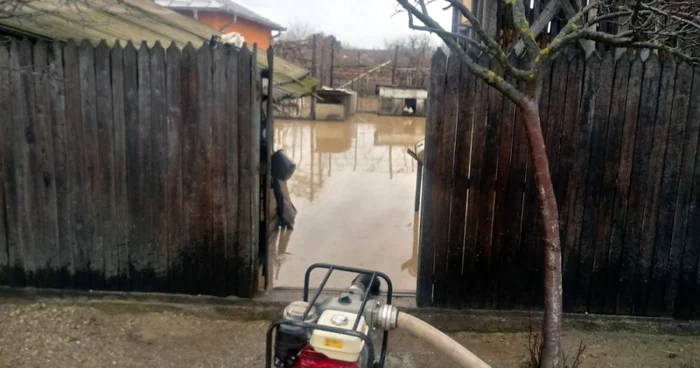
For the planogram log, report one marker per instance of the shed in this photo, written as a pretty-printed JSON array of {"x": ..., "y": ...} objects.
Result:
[
  {"x": 401, "y": 100},
  {"x": 335, "y": 104}
]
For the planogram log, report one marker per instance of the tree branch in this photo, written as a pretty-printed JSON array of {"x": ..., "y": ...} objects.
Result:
[
  {"x": 485, "y": 74},
  {"x": 492, "y": 47}
]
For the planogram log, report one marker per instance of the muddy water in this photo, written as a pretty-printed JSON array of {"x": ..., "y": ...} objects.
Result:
[{"x": 354, "y": 190}]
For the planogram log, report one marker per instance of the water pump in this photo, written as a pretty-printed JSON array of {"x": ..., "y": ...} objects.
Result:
[{"x": 337, "y": 332}]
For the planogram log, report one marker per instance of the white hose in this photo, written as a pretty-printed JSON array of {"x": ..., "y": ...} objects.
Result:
[{"x": 440, "y": 341}]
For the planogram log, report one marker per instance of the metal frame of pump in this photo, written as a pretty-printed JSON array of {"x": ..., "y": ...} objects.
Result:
[{"x": 274, "y": 327}]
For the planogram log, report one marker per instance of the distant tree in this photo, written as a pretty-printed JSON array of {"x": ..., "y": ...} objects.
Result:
[
  {"x": 671, "y": 27},
  {"x": 415, "y": 47},
  {"x": 298, "y": 30}
]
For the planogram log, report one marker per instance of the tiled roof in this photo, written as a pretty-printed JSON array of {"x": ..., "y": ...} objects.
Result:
[
  {"x": 227, "y": 6},
  {"x": 136, "y": 21}
]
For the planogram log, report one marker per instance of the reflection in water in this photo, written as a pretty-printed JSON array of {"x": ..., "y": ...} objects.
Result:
[{"x": 353, "y": 189}]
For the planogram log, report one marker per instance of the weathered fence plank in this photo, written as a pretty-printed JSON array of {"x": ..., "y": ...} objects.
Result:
[
  {"x": 12, "y": 166},
  {"x": 122, "y": 227},
  {"x": 650, "y": 253},
  {"x": 5, "y": 125},
  {"x": 666, "y": 257},
  {"x": 622, "y": 183},
  {"x": 94, "y": 251},
  {"x": 245, "y": 250},
  {"x": 446, "y": 139},
  {"x": 174, "y": 169},
  {"x": 107, "y": 207},
  {"x": 159, "y": 179},
  {"x": 31, "y": 213},
  {"x": 460, "y": 187},
  {"x": 204, "y": 164},
  {"x": 48, "y": 244},
  {"x": 190, "y": 175},
  {"x": 594, "y": 183},
  {"x": 75, "y": 170},
  {"x": 59, "y": 131},
  {"x": 131, "y": 122},
  {"x": 577, "y": 261},
  {"x": 473, "y": 256},
  {"x": 679, "y": 248},
  {"x": 435, "y": 181},
  {"x": 687, "y": 281},
  {"x": 233, "y": 260},
  {"x": 219, "y": 131},
  {"x": 608, "y": 187}
]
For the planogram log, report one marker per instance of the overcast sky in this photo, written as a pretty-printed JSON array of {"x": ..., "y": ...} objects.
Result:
[{"x": 360, "y": 23}]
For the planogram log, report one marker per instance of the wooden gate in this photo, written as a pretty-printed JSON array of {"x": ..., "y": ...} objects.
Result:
[
  {"x": 622, "y": 139},
  {"x": 130, "y": 169}
]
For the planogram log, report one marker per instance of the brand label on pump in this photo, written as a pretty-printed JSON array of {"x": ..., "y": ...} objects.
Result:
[{"x": 333, "y": 343}]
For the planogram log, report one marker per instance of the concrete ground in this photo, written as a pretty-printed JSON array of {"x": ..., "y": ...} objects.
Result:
[{"x": 104, "y": 333}]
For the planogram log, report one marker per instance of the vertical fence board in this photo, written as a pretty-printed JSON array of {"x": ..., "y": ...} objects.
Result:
[
  {"x": 75, "y": 171},
  {"x": 131, "y": 126},
  {"x": 460, "y": 187},
  {"x": 650, "y": 253},
  {"x": 204, "y": 166},
  {"x": 486, "y": 190},
  {"x": 94, "y": 252},
  {"x": 622, "y": 184},
  {"x": 687, "y": 281},
  {"x": 433, "y": 184},
  {"x": 48, "y": 251},
  {"x": 666, "y": 264},
  {"x": 594, "y": 183},
  {"x": 473, "y": 255},
  {"x": 497, "y": 265},
  {"x": 577, "y": 284},
  {"x": 566, "y": 185},
  {"x": 121, "y": 201},
  {"x": 13, "y": 167},
  {"x": 6, "y": 218},
  {"x": 159, "y": 178},
  {"x": 679, "y": 249},
  {"x": 245, "y": 248},
  {"x": 105, "y": 137},
  {"x": 31, "y": 190},
  {"x": 449, "y": 110},
  {"x": 608, "y": 187},
  {"x": 60, "y": 133},
  {"x": 143, "y": 261},
  {"x": 219, "y": 131},
  {"x": 256, "y": 172},
  {"x": 174, "y": 169},
  {"x": 232, "y": 174},
  {"x": 190, "y": 175}
]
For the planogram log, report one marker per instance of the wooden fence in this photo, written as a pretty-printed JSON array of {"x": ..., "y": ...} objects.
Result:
[
  {"x": 129, "y": 169},
  {"x": 622, "y": 139}
]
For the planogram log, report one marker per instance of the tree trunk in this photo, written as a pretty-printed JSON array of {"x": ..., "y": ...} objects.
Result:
[{"x": 549, "y": 212}]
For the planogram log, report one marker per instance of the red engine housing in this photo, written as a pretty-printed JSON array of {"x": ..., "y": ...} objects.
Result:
[{"x": 308, "y": 358}]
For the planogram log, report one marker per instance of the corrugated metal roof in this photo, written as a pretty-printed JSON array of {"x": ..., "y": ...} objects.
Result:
[
  {"x": 135, "y": 20},
  {"x": 227, "y": 6}
]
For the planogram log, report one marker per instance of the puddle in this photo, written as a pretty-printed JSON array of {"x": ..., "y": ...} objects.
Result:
[{"x": 354, "y": 189}]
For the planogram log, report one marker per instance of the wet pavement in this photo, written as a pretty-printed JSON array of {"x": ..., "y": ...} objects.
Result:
[{"x": 354, "y": 190}]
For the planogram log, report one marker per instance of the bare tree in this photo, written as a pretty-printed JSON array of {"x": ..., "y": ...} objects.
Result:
[
  {"x": 414, "y": 47},
  {"x": 298, "y": 30},
  {"x": 667, "y": 26}
]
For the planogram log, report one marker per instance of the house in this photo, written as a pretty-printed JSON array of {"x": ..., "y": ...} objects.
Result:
[
  {"x": 227, "y": 16},
  {"x": 401, "y": 100},
  {"x": 137, "y": 21}
]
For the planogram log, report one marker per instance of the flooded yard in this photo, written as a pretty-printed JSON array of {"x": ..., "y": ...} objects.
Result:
[{"x": 354, "y": 190}]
